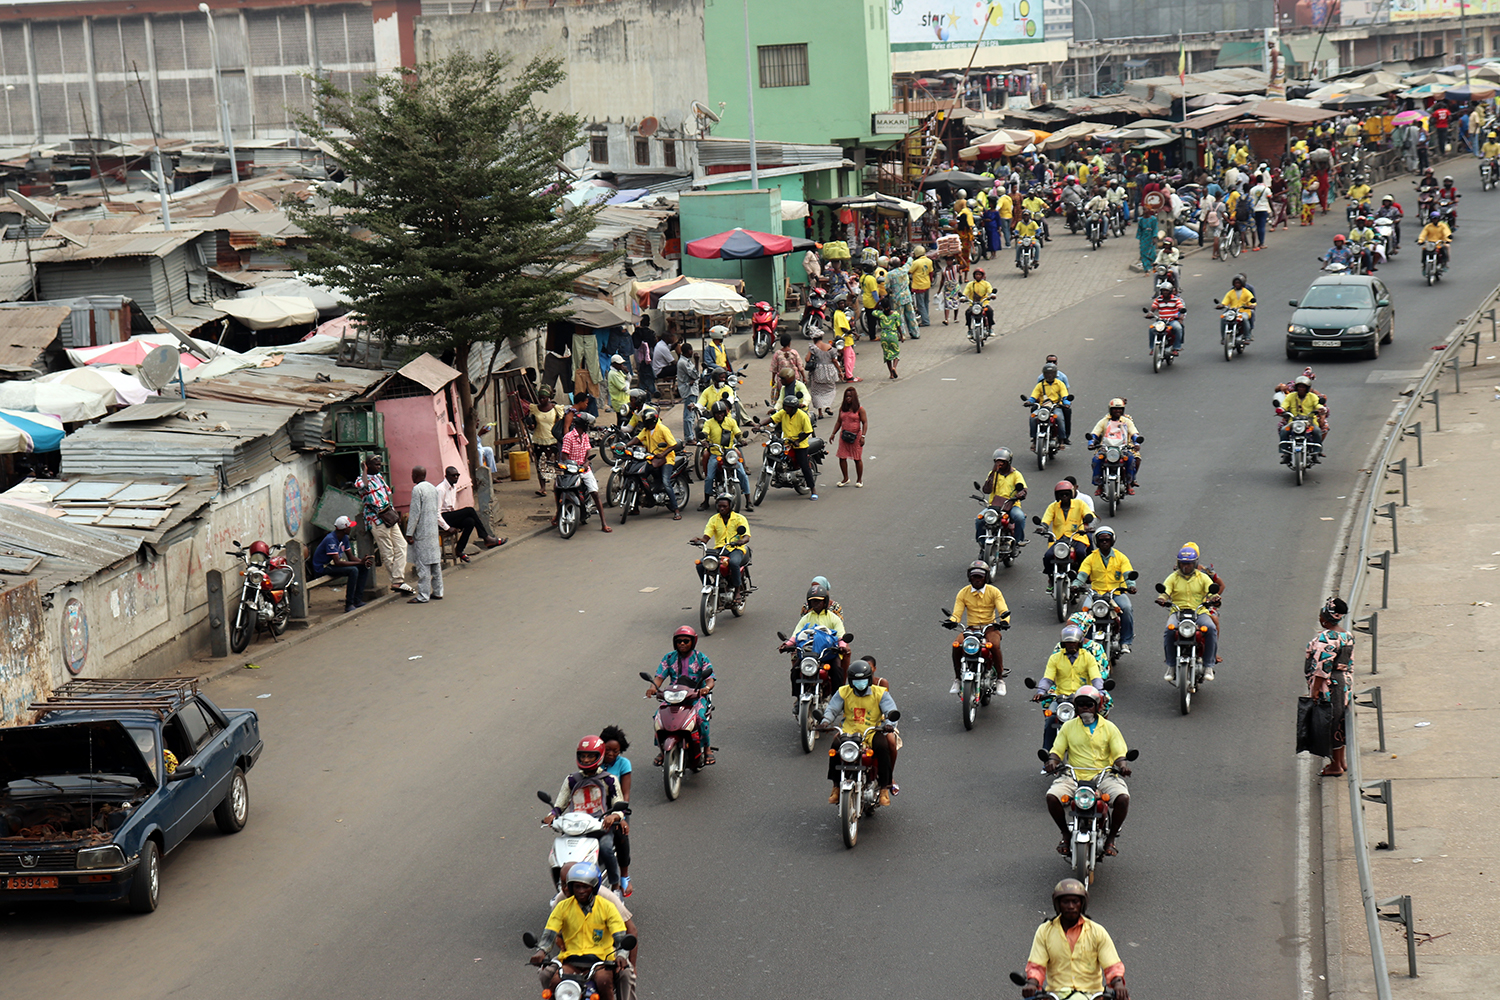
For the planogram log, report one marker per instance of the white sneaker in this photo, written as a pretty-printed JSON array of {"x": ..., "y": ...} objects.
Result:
[
  {"x": 1170, "y": 676},
  {"x": 1208, "y": 674},
  {"x": 1124, "y": 649},
  {"x": 954, "y": 688}
]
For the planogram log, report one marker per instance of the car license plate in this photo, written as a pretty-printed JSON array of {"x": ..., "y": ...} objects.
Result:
[
  {"x": 1327, "y": 343},
  {"x": 38, "y": 882}
]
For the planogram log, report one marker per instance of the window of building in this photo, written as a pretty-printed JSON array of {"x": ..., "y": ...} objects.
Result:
[
  {"x": 668, "y": 153},
  {"x": 599, "y": 149},
  {"x": 783, "y": 65},
  {"x": 1495, "y": 42},
  {"x": 1416, "y": 49},
  {"x": 1437, "y": 46},
  {"x": 642, "y": 152},
  {"x": 1396, "y": 52}
]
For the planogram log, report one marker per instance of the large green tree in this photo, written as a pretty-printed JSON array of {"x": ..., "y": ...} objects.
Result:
[{"x": 454, "y": 232}]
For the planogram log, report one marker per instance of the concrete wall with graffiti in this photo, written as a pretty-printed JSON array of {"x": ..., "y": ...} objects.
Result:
[{"x": 25, "y": 651}]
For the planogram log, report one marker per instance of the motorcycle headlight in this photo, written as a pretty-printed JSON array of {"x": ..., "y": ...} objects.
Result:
[
  {"x": 674, "y": 697},
  {"x": 1100, "y": 609},
  {"x": 991, "y": 516},
  {"x": 101, "y": 857},
  {"x": 568, "y": 990},
  {"x": 1062, "y": 550},
  {"x": 710, "y": 564},
  {"x": 1299, "y": 426},
  {"x": 1112, "y": 454},
  {"x": 849, "y": 752},
  {"x": 1084, "y": 798},
  {"x": 1186, "y": 628},
  {"x": 776, "y": 450},
  {"x": 971, "y": 645},
  {"x": 1355, "y": 331},
  {"x": 732, "y": 457},
  {"x": 1297, "y": 329},
  {"x": 808, "y": 666},
  {"x": 1065, "y": 711}
]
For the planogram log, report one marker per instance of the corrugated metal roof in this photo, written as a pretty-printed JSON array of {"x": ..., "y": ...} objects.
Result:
[
  {"x": 244, "y": 439},
  {"x": 142, "y": 509},
  {"x": 293, "y": 383},
  {"x": 69, "y": 552},
  {"x": 25, "y": 332},
  {"x": 714, "y": 152},
  {"x": 123, "y": 245},
  {"x": 428, "y": 372}
]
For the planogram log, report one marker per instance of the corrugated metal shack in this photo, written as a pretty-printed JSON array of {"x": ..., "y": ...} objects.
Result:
[
  {"x": 157, "y": 270},
  {"x": 235, "y": 441}
]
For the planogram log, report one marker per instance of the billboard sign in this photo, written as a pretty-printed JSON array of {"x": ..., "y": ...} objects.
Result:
[{"x": 919, "y": 25}]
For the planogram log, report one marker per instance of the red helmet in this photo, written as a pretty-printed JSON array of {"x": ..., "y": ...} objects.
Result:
[
  {"x": 1063, "y": 486},
  {"x": 689, "y": 632},
  {"x": 591, "y": 747},
  {"x": 260, "y": 549}
]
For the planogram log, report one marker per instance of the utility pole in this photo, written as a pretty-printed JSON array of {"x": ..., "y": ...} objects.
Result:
[
  {"x": 219, "y": 99},
  {"x": 750, "y": 102},
  {"x": 1094, "y": 38}
]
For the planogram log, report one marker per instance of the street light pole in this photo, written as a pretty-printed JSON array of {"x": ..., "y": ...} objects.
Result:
[
  {"x": 219, "y": 99},
  {"x": 1463, "y": 34},
  {"x": 1094, "y": 36},
  {"x": 750, "y": 102}
]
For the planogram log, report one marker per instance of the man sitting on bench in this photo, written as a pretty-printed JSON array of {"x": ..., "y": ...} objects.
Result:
[
  {"x": 464, "y": 519},
  {"x": 335, "y": 556}
]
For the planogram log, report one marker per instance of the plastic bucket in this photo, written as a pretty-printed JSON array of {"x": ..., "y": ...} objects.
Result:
[{"x": 520, "y": 465}]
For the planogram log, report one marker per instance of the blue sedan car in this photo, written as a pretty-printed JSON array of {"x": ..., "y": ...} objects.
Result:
[{"x": 111, "y": 776}]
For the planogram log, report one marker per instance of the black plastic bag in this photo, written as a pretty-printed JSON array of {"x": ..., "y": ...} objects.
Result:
[{"x": 1314, "y": 727}]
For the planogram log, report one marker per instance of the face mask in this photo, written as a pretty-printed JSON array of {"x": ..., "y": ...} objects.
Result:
[
  {"x": 1087, "y": 718},
  {"x": 860, "y": 685}
]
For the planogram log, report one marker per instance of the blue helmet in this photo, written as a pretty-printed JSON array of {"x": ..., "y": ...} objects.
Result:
[{"x": 586, "y": 872}]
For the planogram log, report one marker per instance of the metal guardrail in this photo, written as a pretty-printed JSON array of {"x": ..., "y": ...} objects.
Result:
[{"x": 1364, "y": 560}]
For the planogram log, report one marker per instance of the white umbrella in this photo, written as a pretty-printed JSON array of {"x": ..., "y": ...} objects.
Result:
[
  {"x": 706, "y": 298},
  {"x": 129, "y": 389},
  {"x": 87, "y": 379},
  {"x": 267, "y": 312},
  {"x": 66, "y": 403}
]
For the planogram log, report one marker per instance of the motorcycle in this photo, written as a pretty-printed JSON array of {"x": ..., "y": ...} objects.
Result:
[
  {"x": 1449, "y": 208},
  {"x": 1234, "y": 331},
  {"x": 574, "y": 984},
  {"x": 577, "y": 502},
  {"x": 1488, "y": 170},
  {"x": 979, "y": 678},
  {"x": 727, "y": 478},
  {"x": 265, "y": 595},
  {"x": 639, "y": 488},
  {"x": 1357, "y": 209},
  {"x": 1047, "y": 441},
  {"x": 1301, "y": 453},
  {"x": 1088, "y": 820},
  {"x": 717, "y": 595},
  {"x": 1385, "y": 235},
  {"x": 1093, "y": 229},
  {"x": 777, "y": 466},
  {"x": 1189, "y": 641},
  {"x": 999, "y": 546},
  {"x": 1114, "y": 449},
  {"x": 816, "y": 313},
  {"x": 576, "y": 840},
  {"x": 1020, "y": 980},
  {"x": 1064, "y": 568},
  {"x": 763, "y": 328},
  {"x": 1164, "y": 277},
  {"x": 1231, "y": 239},
  {"x": 859, "y": 784},
  {"x": 1030, "y": 254},
  {"x": 1161, "y": 342},
  {"x": 1108, "y": 627},
  {"x": 1432, "y": 270},
  {"x": 816, "y": 657},
  {"x": 676, "y": 724},
  {"x": 1356, "y": 265},
  {"x": 1117, "y": 220},
  {"x": 1057, "y": 709},
  {"x": 979, "y": 331}
]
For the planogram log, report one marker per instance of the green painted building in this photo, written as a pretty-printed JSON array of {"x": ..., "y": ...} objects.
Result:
[{"x": 820, "y": 69}]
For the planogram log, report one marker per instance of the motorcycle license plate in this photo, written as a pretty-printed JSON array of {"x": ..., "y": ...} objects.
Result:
[
  {"x": 968, "y": 675},
  {"x": 1327, "y": 343},
  {"x": 32, "y": 882}
]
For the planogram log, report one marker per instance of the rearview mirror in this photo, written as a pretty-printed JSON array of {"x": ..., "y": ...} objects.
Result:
[
  {"x": 894, "y": 715},
  {"x": 1382, "y": 303},
  {"x": 1292, "y": 303},
  {"x": 781, "y": 636},
  {"x": 183, "y": 772},
  {"x": 1029, "y": 682},
  {"x": 1213, "y": 588},
  {"x": 627, "y": 943},
  {"x": 978, "y": 487},
  {"x": 1036, "y": 520},
  {"x": 1161, "y": 588},
  {"x": 1109, "y": 685},
  {"x": 544, "y": 797},
  {"x": 848, "y": 636},
  {"x": 528, "y": 939},
  {"x": 647, "y": 678},
  {"x": 1016, "y": 977},
  {"x": 1041, "y": 755},
  {"x": 1132, "y": 576},
  {"x": 1132, "y": 755}
]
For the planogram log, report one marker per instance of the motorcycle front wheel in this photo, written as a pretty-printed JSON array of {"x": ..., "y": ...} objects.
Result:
[
  {"x": 1043, "y": 449},
  {"x": 1113, "y": 502},
  {"x": 762, "y": 485},
  {"x": 1060, "y": 597},
  {"x": 1300, "y": 473},
  {"x": 805, "y": 723},
  {"x": 611, "y": 491},
  {"x": 762, "y": 346},
  {"x": 567, "y": 517},
  {"x": 969, "y": 704},
  {"x": 1157, "y": 357},
  {"x": 1081, "y": 851},
  {"x": 672, "y": 766},
  {"x": 849, "y": 816},
  {"x": 1185, "y": 687},
  {"x": 627, "y": 499},
  {"x": 979, "y": 343},
  {"x": 243, "y": 628},
  {"x": 1229, "y": 347},
  {"x": 708, "y": 610}
]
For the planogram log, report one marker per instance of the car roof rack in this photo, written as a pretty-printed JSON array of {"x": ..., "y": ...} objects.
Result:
[{"x": 158, "y": 695}]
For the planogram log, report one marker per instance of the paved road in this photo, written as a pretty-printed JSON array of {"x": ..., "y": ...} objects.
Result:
[{"x": 393, "y": 851}]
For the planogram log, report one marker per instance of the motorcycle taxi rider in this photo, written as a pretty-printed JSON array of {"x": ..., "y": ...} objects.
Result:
[
  {"x": 1070, "y": 954},
  {"x": 1068, "y": 518},
  {"x": 595, "y": 791},
  {"x": 982, "y": 604},
  {"x": 1105, "y": 571},
  {"x": 820, "y": 610},
  {"x": 1187, "y": 586},
  {"x": 727, "y": 534},
  {"x": 1053, "y": 391},
  {"x": 861, "y": 704},
  {"x": 1091, "y": 745},
  {"x": 1004, "y": 482},
  {"x": 1133, "y": 442},
  {"x": 1303, "y": 402},
  {"x": 980, "y": 291},
  {"x": 687, "y": 666},
  {"x": 577, "y": 927}
]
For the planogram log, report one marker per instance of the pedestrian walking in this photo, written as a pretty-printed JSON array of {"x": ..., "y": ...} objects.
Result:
[
  {"x": 786, "y": 356},
  {"x": 424, "y": 543},
  {"x": 382, "y": 521},
  {"x": 687, "y": 390},
  {"x": 951, "y": 290},
  {"x": 1260, "y": 208},
  {"x": 920, "y": 269},
  {"x": 852, "y": 426},
  {"x": 890, "y": 334},
  {"x": 1422, "y": 144},
  {"x": 644, "y": 340},
  {"x": 869, "y": 286},
  {"x": 541, "y": 419},
  {"x": 618, "y": 381},
  {"x": 1210, "y": 222},
  {"x": 1145, "y": 238},
  {"x": 1309, "y": 200},
  {"x": 843, "y": 337},
  {"x": 1440, "y": 118},
  {"x": 898, "y": 285},
  {"x": 822, "y": 363},
  {"x": 1329, "y": 669}
]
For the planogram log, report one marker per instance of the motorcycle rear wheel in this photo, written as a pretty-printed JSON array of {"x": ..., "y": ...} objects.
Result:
[
  {"x": 672, "y": 767},
  {"x": 968, "y": 704},
  {"x": 805, "y": 722},
  {"x": 243, "y": 629},
  {"x": 281, "y": 619},
  {"x": 849, "y": 816},
  {"x": 1185, "y": 688},
  {"x": 681, "y": 490},
  {"x": 567, "y": 518},
  {"x": 708, "y": 610}
]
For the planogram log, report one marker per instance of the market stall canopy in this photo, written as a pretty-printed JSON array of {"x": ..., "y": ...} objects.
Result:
[
  {"x": 328, "y": 301},
  {"x": 1470, "y": 93},
  {"x": 1421, "y": 79},
  {"x": 1209, "y": 100},
  {"x": 270, "y": 312},
  {"x": 121, "y": 389},
  {"x": 596, "y": 314},
  {"x": 705, "y": 298},
  {"x": 1490, "y": 71},
  {"x": 1133, "y": 135},
  {"x": 66, "y": 403},
  {"x": 882, "y": 203},
  {"x": 1354, "y": 101},
  {"x": 1425, "y": 90},
  {"x": 134, "y": 351},
  {"x": 1279, "y": 112},
  {"x": 1077, "y": 132},
  {"x": 745, "y": 244},
  {"x": 953, "y": 180},
  {"x": 24, "y": 432}
]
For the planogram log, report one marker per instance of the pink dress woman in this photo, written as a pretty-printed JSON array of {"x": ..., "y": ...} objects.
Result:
[{"x": 849, "y": 420}]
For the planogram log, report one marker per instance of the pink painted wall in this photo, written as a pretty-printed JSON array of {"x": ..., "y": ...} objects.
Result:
[{"x": 418, "y": 432}]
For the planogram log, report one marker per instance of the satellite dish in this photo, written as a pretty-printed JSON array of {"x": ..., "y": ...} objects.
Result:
[
  {"x": 702, "y": 111},
  {"x": 159, "y": 367},
  {"x": 648, "y": 126},
  {"x": 30, "y": 207},
  {"x": 188, "y": 344}
]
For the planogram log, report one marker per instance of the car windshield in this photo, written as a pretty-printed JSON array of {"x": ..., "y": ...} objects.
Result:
[{"x": 1338, "y": 297}]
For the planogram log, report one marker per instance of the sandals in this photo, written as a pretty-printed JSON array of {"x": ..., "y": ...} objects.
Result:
[
  {"x": 1062, "y": 847},
  {"x": 1110, "y": 851},
  {"x": 657, "y": 761},
  {"x": 1329, "y": 772},
  {"x": 709, "y": 758}
]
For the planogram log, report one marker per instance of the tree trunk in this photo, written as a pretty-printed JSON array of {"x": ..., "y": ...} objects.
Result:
[{"x": 478, "y": 474}]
